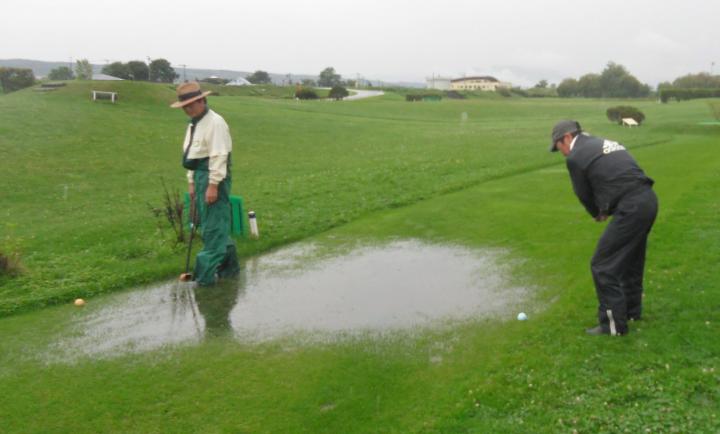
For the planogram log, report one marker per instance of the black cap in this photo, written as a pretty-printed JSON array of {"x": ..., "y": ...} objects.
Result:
[{"x": 561, "y": 128}]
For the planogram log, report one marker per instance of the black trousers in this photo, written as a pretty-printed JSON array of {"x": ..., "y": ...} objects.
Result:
[{"x": 619, "y": 260}]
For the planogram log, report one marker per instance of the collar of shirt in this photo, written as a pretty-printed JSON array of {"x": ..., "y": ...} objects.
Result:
[{"x": 572, "y": 144}]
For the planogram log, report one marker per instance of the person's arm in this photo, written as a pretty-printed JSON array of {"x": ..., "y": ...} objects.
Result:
[
  {"x": 583, "y": 189},
  {"x": 218, "y": 171},
  {"x": 220, "y": 144}
]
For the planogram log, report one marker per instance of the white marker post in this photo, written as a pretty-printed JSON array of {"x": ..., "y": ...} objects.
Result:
[{"x": 253, "y": 225}]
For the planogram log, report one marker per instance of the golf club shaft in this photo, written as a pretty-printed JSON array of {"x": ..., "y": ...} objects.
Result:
[{"x": 193, "y": 223}]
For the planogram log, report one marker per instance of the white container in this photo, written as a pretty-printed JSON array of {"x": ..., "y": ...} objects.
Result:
[{"x": 253, "y": 225}]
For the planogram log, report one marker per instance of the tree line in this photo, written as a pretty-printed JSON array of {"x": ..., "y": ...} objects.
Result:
[
  {"x": 159, "y": 70},
  {"x": 327, "y": 78},
  {"x": 613, "y": 82}
]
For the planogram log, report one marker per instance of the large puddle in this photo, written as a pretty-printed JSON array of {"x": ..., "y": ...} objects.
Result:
[{"x": 305, "y": 290}]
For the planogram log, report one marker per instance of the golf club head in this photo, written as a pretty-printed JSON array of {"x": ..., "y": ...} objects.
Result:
[{"x": 186, "y": 277}]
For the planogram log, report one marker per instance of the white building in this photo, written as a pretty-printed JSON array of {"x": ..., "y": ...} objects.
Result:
[{"x": 485, "y": 83}]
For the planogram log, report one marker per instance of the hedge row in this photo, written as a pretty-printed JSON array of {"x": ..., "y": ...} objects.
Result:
[{"x": 686, "y": 94}]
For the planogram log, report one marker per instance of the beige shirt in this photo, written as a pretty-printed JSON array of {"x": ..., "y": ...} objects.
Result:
[{"x": 211, "y": 139}]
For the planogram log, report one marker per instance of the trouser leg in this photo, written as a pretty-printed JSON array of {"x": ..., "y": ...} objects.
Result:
[
  {"x": 632, "y": 282},
  {"x": 619, "y": 259},
  {"x": 215, "y": 234},
  {"x": 230, "y": 266}
]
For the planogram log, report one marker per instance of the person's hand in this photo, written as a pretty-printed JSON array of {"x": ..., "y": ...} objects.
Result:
[
  {"x": 191, "y": 191},
  {"x": 211, "y": 194},
  {"x": 600, "y": 218}
]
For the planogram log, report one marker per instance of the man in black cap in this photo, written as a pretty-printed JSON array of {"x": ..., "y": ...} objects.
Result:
[{"x": 609, "y": 182}]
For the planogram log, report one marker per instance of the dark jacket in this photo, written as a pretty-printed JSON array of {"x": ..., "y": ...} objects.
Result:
[{"x": 602, "y": 172}]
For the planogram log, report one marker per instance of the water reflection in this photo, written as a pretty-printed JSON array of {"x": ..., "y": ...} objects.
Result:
[
  {"x": 214, "y": 303},
  {"x": 328, "y": 291}
]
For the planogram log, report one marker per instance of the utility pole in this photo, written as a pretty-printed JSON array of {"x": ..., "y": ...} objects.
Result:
[
  {"x": 184, "y": 76},
  {"x": 712, "y": 66}
]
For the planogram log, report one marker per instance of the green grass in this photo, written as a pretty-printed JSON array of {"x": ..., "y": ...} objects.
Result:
[
  {"x": 374, "y": 169},
  {"x": 304, "y": 167}
]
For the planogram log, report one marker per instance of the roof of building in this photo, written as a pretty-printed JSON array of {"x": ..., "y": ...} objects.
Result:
[
  {"x": 483, "y": 77},
  {"x": 240, "y": 81},
  {"x": 104, "y": 77}
]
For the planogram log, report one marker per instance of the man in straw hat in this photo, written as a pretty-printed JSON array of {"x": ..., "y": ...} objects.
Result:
[
  {"x": 206, "y": 156},
  {"x": 609, "y": 182}
]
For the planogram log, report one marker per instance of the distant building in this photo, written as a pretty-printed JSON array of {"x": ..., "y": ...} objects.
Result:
[
  {"x": 240, "y": 81},
  {"x": 104, "y": 77},
  {"x": 440, "y": 83},
  {"x": 486, "y": 83}
]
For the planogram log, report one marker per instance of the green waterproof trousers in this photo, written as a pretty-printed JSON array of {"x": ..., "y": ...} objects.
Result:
[{"x": 218, "y": 255}]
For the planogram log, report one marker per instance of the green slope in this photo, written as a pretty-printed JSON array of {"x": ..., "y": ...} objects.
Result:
[{"x": 541, "y": 375}]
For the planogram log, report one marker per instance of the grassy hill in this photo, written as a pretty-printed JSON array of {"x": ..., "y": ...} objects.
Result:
[{"x": 75, "y": 207}]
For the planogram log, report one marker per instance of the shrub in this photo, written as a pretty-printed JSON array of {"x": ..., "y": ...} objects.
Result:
[
  {"x": 306, "y": 93},
  {"x": 61, "y": 73},
  {"x": 338, "y": 93},
  {"x": 171, "y": 213},
  {"x": 215, "y": 80},
  {"x": 10, "y": 264},
  {"x": 12, "y": 79},
  {"x": 518, "y": 91},
  {"x": 453, "y": 94},
  {"x": 504, "y": 91},
  {"x": 715, "y": 109},
  {"x": 617, "y": 114}
]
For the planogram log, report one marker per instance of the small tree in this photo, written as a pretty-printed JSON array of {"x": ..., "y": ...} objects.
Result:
[
  {"x": 309, "y": 82},
  {"x": 138, "y": 70},
  {"x": 161, "y": 71},
  {"x": 83, "y": 70},
  {"x": 259, "y": 77},
  {"x": 12, "y": 79},
  {"x": 117, "y": 69},
  {"x": 338, "y": 93},
  {"x": 305, "y": 93},
  {"x": 61, "y": 73},
  {"x": 715, "y": 109},
  {"x": 542, "y": 84},
  {"x": 328, "y": 77},
  {"x": 568, "y": 88}
]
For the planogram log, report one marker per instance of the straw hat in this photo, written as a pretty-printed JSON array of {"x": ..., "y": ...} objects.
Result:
[{"x": 187, "y": 93}]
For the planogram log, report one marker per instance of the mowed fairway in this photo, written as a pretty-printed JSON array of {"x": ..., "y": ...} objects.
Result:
[{"x": 377, "y": 169}]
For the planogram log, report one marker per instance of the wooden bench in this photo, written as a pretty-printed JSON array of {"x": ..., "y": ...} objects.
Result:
[
  {"x": 101, "y": 94},
  {"x": 629, "y": 122}
]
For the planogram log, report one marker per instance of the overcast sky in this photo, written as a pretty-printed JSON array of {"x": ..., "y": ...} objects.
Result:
[{"x": 517, "y": 41}]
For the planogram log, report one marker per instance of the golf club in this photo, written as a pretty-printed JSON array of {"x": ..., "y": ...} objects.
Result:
[{"x": 187, "y": 276}]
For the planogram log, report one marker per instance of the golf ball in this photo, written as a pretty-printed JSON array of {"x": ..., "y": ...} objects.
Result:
[
  {"x": 522, "y": 316},
  {"x": 79, "y": 302}
]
